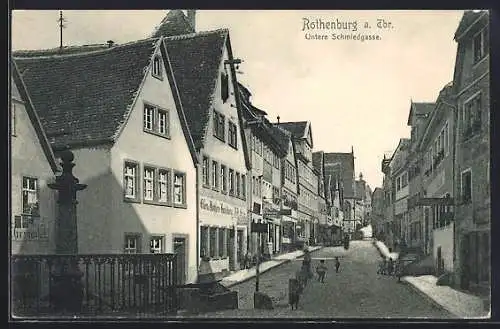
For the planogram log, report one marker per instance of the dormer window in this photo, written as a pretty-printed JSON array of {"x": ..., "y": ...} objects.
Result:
[
  {"x": 157, "y": 67},
  {"x": 481, "y": 45},
  {"x": 224, "y": 86}
]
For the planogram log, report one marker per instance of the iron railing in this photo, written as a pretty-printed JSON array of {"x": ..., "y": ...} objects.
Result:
[{"x": 133, "y": 285}]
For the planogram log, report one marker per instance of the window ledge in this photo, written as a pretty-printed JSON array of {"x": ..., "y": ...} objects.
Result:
[
  {"x": 223, "y": 140},
  {"x": 130, "y": 200},
  {"x": 476, "y": 64},
  {"x": 181, "y": 206},
  {"x": 157, "y": 203},
  {"x": 157, "y": 76},
  {"x": 151, "y": 132},
  {"x": 206, "y": 186}
]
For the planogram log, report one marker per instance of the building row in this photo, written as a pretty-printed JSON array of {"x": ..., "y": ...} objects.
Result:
[
  {"x": 175, "y": 155},
  {"x": 435, "y": 197}
]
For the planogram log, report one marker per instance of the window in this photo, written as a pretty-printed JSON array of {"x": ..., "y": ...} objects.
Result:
[
  {"x": 149, "y": 178},
  {"x": 238, "y": 185},
  {"x": 223, "y": 177},
  {"x": 446, "y": 134},
  {"x": 276, "y": 195},
  {"x": 130, "y": 180},
  {"x": 243, "y": 186},
  {"x": 156, "y": 120},
  {"x": 30, "y": 196},
  {"x": 222, "y": 242},
  {"x": 162, "y": 122},
  {"x": 232, "y": 135},
  {"x": 213, "y": 242},
  {"x": 481, "y": 45},
  {"x": 164, "y": 185},
  {"x": 132, "y": 243},
  {"x": 472, "y": 116},
  {"x": 215, "y": 177},
  {"x": 404, "y": 182},
  {"x": 13, "y": 120},
  {"x": 204, "y": 252},
  {"x": 224, "y": 86},
  {"x": 219, "y": 126},
  {"x": 466, "y": 186},
  {"x": 205, "y": 171},
  {"x": 398, "y": 183},
  {"x": 157, "y": 67},
  {"x": 179, "y": 188},
  {"x": 156, "y": 244},
  {"x": 231, "y": 182},
  {"x": 148, "y": 117}
]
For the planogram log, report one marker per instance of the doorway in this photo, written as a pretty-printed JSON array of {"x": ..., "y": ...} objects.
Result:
[
  {"x": 240, "y": 240},
  {"x": 180, "y": 249},
  {"x": 230, "y": 249}
]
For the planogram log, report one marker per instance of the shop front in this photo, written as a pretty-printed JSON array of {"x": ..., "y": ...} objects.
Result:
[{"x": 223, "y": 234}]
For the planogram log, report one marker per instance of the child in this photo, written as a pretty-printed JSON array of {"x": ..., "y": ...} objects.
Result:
[
  {"x": 337, "y": 264},
  {"x": 321, "y": 270}
]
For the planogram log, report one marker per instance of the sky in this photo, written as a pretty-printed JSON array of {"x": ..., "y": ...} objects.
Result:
[{"x": 355, "y": 93}]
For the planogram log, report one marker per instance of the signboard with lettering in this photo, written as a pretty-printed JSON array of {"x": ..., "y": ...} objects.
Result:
[{"x": 220, "y": 208}]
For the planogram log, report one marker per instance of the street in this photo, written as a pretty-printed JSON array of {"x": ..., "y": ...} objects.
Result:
[{"x": 356, "y": 291}]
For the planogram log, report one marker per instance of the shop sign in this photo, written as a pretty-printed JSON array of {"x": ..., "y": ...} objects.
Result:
[{"x": 217, "y": 207}]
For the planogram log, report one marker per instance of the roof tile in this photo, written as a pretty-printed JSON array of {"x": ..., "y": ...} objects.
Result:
[
  {"x": 86, "y": 97},
  {"x": 195, "y": 60}
]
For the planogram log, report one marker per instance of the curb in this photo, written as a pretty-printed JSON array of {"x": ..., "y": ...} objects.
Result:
[
  {"x": 430, "y": 299},
  {"x": 232, "y": 284}
]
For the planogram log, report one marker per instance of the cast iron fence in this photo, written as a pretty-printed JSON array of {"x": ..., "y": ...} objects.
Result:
[{"x": 114, "y": 284}]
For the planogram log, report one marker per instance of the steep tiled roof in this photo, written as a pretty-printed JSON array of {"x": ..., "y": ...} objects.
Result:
[
  {"x": 345, "y": 168},
  {"x": 317, "y": 160},
  {"x": 420, "y": 109},
  {"x": 35, "y": 120},
  {"x": 195, "y": 60},
  {"x": 298, "y": 129},
  {"x": 282, "y": 137},
  {"x": 468, "y": 18},
  {"x": 58, "y": 51},
  {"x": 85, "y": 98},
  {"x": 174, "y": 23}
]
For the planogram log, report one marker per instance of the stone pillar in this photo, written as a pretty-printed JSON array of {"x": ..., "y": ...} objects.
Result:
[{"x": 67, "y": 290}]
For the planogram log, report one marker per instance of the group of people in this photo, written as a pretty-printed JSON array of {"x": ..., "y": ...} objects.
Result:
[
  {"x": 390, "y": 267},
  {"x": 305, "y": 273}
]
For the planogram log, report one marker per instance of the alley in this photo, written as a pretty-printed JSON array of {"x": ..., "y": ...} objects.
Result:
[{"x": 357, "y": 291}]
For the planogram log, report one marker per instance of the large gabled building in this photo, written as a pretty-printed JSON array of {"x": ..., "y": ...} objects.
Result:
[
  {"x": 105, "y": 106},
  {"x": 33, "y": 166}
]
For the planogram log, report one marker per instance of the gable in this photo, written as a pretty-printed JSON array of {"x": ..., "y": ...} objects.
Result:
[
  {"x": 309, "y": 135},
  {"x": 158, "y": 93},
  {"x": 20, "y": 90},
  {"x": 195, "y": 61}
]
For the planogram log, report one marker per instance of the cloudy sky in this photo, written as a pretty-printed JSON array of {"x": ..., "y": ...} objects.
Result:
[{"x": 354, "y": 93}]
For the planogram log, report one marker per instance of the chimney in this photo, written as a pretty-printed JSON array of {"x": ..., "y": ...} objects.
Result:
[
  {"x": 110, "y": 43},
  {"x": 278, "y": 119},
  {"x": 191, "y": 16}
]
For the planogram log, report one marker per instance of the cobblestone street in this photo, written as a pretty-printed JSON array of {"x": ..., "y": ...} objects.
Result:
[{"x": 357, "y": 291}]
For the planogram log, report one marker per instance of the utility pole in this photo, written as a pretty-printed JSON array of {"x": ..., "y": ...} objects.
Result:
[{"x": 61, "y": 20}]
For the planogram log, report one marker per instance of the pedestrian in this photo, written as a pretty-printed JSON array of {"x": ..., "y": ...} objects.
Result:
[
  {"x": 306, "y": 263},
  {"x": 399, "y": 268},
  {"x": 321, "y": 270},
  {"x": 390, "y": 267},
  {"x": 337, "y": 264},
  {"x": 295, "y": 291},
  {"x": 381, "y": 266}
]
